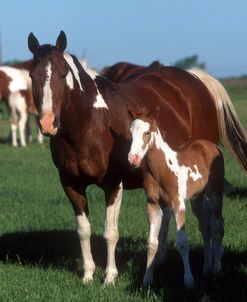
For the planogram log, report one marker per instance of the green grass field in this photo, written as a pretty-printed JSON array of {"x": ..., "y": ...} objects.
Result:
[{"x": 39, "y": 250}]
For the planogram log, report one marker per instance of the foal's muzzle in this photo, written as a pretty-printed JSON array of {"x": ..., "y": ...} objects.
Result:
[{"x": 134, "y": 160}]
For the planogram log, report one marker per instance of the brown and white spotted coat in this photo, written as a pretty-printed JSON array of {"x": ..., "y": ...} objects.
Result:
[{"x": 192, "y": 172}]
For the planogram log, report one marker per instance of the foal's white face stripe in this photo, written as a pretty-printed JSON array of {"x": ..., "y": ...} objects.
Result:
[
  {"x": 47, "y": 92},
  {"x": 75, "y": 71},
  {"x": 137, "y": 129}
]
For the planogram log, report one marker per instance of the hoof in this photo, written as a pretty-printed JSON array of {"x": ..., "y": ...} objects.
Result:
[
  {"x": 147, "y": 280},
  {"x": 189, "y": 282},
  {"x": 111, "y": 277}
]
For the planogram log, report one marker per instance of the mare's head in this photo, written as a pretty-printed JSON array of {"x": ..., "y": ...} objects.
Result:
[
  {"x": 142, "y": 131},
  {"x": 48, "y": 74}
]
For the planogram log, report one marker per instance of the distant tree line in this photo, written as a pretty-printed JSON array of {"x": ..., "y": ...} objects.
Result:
[{"x": 189, "y": 62}]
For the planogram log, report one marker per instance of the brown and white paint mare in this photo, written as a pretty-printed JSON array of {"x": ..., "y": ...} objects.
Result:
[
  {"x": 16, "y": 92},
  {"x": 194, "y": 171},
  {"x": 88, "y": 123}
]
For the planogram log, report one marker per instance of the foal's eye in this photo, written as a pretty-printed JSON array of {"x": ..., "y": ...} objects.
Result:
[{"x": 147, "y": 133}]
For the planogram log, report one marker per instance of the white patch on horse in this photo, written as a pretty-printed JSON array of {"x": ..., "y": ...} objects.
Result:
[
  {"x": 195, "y": 175},
  {"x": 18, "y": 81},
  {"x": 47, "y": 92},
  {"x": 100, "y": 102},
  {"x": 69, "y": 80},
  {"x": 75, "y": 71}
]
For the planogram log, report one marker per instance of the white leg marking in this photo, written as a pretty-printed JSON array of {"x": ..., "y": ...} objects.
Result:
[
  {"x": 84, "y": 232},
  {"x": 111, "y": 235},
  {"x": 153, "y": 243},
  {"x": 13, "y": 128},
  {"x": 22, "y": 127}
]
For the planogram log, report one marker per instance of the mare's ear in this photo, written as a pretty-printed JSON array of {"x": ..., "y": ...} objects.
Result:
[
  {"x": 61, "y": 42},
  {"x": 33, "y": 43},
  {"x": 154, "y": 113},
  {"x": 131, "y": 111}
]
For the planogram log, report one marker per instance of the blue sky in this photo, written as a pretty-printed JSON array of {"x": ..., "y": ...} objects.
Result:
[{"x": 138, "y": 31}]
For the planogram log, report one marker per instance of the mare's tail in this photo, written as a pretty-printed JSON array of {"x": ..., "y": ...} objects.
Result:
[{"x": 231, "y": 131}]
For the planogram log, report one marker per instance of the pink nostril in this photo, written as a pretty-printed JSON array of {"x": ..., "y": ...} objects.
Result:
[{"x": 134, "y": 159}]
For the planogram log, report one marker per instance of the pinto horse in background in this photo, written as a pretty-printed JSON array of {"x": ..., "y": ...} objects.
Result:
[
  {"x": 15, "y": 90},
  {"x": 194, "y": 171},
  {"x": 88, "y": 123}
]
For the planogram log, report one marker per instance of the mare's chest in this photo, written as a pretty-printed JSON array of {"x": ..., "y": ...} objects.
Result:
[{"x": 86, "y": 156}]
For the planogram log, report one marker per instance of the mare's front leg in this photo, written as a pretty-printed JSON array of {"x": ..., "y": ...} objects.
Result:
[
  {"x": 182, "y": 243},
  {"x": 113, "y": 198},
  {"x": 77, "y": 197}
]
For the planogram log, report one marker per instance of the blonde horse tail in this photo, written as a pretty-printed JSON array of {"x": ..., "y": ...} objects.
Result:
[{"x": 232, "y": 133}]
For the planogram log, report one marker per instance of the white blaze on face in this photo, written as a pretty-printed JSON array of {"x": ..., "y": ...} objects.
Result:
[
  {"x": 137, "y": 129},
  {"x": 47, "y": 92}
]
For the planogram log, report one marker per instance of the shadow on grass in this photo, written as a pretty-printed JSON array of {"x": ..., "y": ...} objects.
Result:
[{"x": 61, "y": 249}]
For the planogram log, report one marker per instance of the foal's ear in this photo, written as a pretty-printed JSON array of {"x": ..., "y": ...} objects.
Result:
[
  {"x": 61, "y": 42},
  {"x": 130, "y": 111},
  {"x": 155, "y": 112},
  {"x": 33, "y": 43}
]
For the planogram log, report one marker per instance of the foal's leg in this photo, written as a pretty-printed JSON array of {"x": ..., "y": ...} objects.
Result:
[
  {"x": 111, "y": 234},
  {"x": 155, "y": 214},
  {"x": 200, "y": 209},
  {"x": 182, "y": 244},
  {"x": 217, "y": 229},
  {"x": 163, "y": 235},
  {"x": 77, "y": 197}
]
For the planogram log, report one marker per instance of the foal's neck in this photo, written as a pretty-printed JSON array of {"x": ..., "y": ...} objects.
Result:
[{"x": 162, "y": 146}]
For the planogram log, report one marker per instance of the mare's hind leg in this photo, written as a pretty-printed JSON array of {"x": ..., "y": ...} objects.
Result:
[
  {"x": 199, "y": 209},
  {"x": 182, "y": 245},
  {"x": 111, "y": 234},
  {"x": 77, "y": 197},
  {"x": 214, "y": 205}
]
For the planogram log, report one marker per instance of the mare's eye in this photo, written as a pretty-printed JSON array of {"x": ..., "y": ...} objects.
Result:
[{"x": 147, "y": 133}]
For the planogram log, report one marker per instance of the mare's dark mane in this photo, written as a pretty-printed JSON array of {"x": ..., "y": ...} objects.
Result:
[{"x": 44, "y": 50}]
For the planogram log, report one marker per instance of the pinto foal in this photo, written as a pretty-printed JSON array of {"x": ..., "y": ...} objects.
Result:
[{"x": 194, "y": 171}]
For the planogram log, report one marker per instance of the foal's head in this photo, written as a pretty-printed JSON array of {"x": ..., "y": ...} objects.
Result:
[
  {"x": 143, "y": 128},
  {"x": 48, "y": 74}
]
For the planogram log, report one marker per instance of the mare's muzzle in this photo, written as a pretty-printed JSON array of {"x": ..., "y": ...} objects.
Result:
[{"x": 48, "y": 123}]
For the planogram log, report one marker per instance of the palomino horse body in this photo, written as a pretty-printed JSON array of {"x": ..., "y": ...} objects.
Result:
[
  {"x": 88, "y": 123},
  {"x": 193, "y": 171},
  {"x": 15, "y": 90}
]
